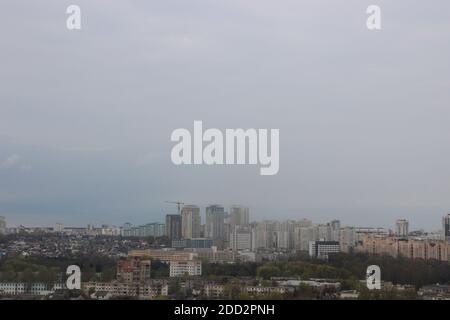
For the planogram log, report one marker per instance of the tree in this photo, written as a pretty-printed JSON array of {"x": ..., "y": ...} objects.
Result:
[
  {"x": 305, "y": 292},
  {"x": 268, "y": 271},
  {"x": 232, "y": 290}
]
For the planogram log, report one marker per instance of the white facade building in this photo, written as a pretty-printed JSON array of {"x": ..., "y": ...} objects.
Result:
[
  {"x": 185, "y": 268},
  {"x": 35, "y": 289},
  {"x": 190, "y": 222},
  {"x": 264, "y": 235},
  {"x": 241, "y": 238},
  {"x": 285, "y": 235}
]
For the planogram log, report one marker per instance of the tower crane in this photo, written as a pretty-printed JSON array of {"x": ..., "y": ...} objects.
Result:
[{"x": 178, "y": 203}]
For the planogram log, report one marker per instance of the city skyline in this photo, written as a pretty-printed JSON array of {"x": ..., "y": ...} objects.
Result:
[
  {"x": 200, "y": 222},
  {"x": 430, "y": 223}
]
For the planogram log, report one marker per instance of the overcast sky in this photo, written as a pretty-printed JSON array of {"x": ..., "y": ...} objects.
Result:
[{"x": 86, "y": 116}]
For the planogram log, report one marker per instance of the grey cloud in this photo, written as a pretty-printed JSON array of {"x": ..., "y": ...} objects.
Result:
[{"x": 363, "y": 117}]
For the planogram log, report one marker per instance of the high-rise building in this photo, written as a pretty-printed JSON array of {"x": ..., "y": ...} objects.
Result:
[
  {"x": 446, "y": 227},
  {"x": 147, "y": 230},
  {"x": 335, "y": 229},
  {"x": 347, "y": 239},
  {"x": 215, "y": 223},
  {"x": 59, "y": 227},
  {"x": 285, "y": 235},
  {"x": 2, "y": 225},
  {"x": 324, "y": 232},
  {"x": 173, "y": 226},
  {"x": 227, "y": 233},
  {"x": 190, "y": 222},
  {"x": 401, "y": 228},
  {"x": 305, "y": 234},
  {"x": 202, "y": 231},
  {"x": 239, "y": 216},
  {"x": 241, "y": 238},
  {"x": 303, "y": 223},
  {"x": 155, "y": 229},
  {"x": 264, "y": 235}
]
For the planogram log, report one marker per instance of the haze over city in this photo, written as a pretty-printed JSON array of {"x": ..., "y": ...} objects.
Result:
[{"x": 86, "y": 116}]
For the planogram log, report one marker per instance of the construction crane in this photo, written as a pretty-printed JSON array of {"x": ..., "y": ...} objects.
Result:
[{"x": 178, "y": 203}]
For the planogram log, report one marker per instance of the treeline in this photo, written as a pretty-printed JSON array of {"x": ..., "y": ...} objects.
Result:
[
  {"x": 351, "y": 267},
  {"x": 302, "y": 270},
  {"x": 398, "y": 270},
  {"x": 229, "y": 270},
  {"x": 159, "y": 269},
  {"x": 49, "y": 270},
  {"x": 348, "y": 268},
  {"x": 268, "y": 270}
]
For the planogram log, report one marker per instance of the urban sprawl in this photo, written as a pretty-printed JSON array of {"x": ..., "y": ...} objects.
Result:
[{"x": 226, "y": 257}]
